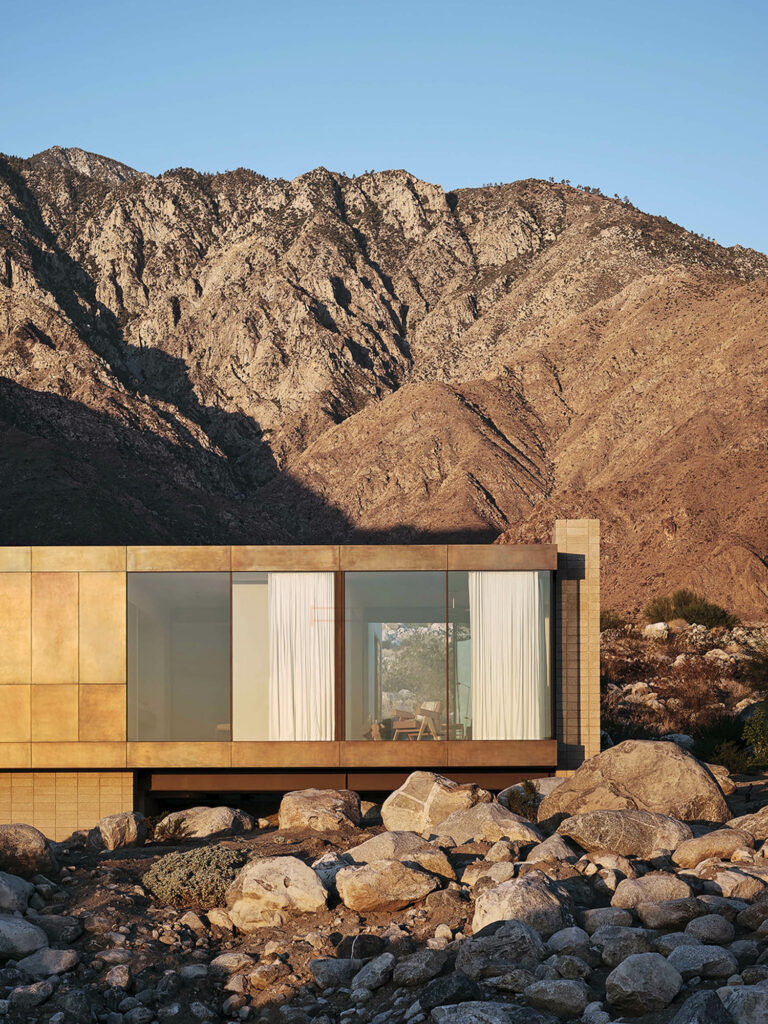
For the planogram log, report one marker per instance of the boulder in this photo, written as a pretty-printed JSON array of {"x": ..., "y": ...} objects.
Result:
[
  {"x": 25, "y": 851},
  {"x": 322, "y": 810},
  {"x": 375, "y": 973},
  {"x": 565, "y": 998},
  {"x": 669, "y": 913},
  {"x": 711, "y": 929},
  {"x": 331, "y": 972},
  {"x": 746, "y": 1004},
  {"x": 328, "y": 866},
  {"x": 19, "y": 937},
  {"x": 201, "y": 822},
  {"x": 61, "y": 929},
  {"x": 488, "y": 822},
  {"x": 703, "y": 962},
  {"x": 720, "y": 844},
  {"x": 404, "y": 846},
  {"x": 617, "y": 942},
  {"x": 553, "y": 848},
  {"x": 656, "y": 887},
  {"x": 656, "y": 631},
  {"x": 420, "y": 967},
  {"x": 493, "y": 874},
  {"x": 14, "y": 893},
  {"x": 473, "y": 1012},
  {"x": 723, "y": 777},
  {"x": 603, "y": 916},
  {"x": 627, "y": 833},
  {"x": 270, "y": 890},
  {"x": 702, "y": 1008},
  {"x": 46, "y": 962},
  {"x": 642, "y": 983},
  {"x": 642, "y": 775},
  {"x": 382, "y": 885},
  {"x": 498, "y": 949},
  {"x": 756, "y": 825},
  {"x": 119, "y": 830},
  {"x": 425, "y": 799},
  {"x": 450, "y": 988},
  {"x": 533, "y": 899}
]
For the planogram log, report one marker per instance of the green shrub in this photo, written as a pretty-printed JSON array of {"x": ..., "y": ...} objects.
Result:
[
  {"x": 724, "y": 731},
  {"x": 755, "y": 669},
  {"x": 684, "y": 604},
  {"x": 756, "y": 735},
  {"x": 611, "y": 620},
  {"x": 195, "y": 878},
  {"x": 523, "y": 803},
  {"x": 733, "y": 757}
]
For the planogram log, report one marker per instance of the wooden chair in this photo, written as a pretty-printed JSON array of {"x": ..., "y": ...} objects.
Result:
[{"x": 423, "y": 722}]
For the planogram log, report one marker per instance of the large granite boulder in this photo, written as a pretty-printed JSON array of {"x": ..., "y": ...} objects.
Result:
[
  {"x": 755, "y": 824},
  {"x": 383, "y": 885},
  {"x": 627, "y": 833},
  {"x": 15, "y": 893},
  {"x": 407, "y": 847},
  {"x": 656, "y": 887},
  {"x": 533, "y": 899},
  {"x": 25, "y": 851},
  {"x": 270, "y": 890},
  {"x": 498, "y": 949},
  {"x": 19, "y": 937},
  {"x": 643, "y": 983},
  {"x": 425, "y": 799},
  {"x": 720, "y": 844},
  {"x": 642, "y": 775},
  {"x": 488, "y": 823},
  {"x": 201, "y": 822},
  {"x": 118, "y": 830},
  {"x": 322, "y": 810}
]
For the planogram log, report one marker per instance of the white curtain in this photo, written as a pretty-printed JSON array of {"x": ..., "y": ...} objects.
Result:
[
  {"x": 509, "y": 621},
  {"x": 301, "y": 698}
]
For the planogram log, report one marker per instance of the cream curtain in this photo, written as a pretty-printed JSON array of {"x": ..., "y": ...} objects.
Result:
[
  {"x": 301, "y": 698},
  {"x": 509, "y": 621}
]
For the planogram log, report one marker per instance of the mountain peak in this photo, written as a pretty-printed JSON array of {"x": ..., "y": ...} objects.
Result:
[{"x": 90, "y": 165}]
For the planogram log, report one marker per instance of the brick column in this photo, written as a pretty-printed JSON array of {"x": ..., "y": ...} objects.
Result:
[{"x": 577, "y": 653}]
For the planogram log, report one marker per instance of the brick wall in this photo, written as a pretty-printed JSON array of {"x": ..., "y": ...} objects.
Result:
[{"x": 577, "y": 655}]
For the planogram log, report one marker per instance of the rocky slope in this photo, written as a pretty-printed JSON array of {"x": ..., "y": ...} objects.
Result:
[{"x": 224, "y": 357}]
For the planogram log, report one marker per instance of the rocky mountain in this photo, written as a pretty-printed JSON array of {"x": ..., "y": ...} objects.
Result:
[{"x": 197, "y": 357}]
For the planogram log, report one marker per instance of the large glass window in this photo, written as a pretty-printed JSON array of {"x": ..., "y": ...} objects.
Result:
[
  {"x": 178, "y": 656},
  {"x": 283, "y": 656},
  {"x": 499, "y": 654},
  {"x": 395, "y": 667}
]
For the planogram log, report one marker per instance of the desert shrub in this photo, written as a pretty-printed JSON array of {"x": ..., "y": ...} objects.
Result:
[
  {"x": 611, "y": 620},
  {"x": 756, "y": 735},
  {"x": 195, "y": 878},
  {"x": 523, "y": 803},
  {"x": 722, "y": 731},
  {"x": 685, "y": 604},
  {"x": 733, "y": 757},
  {"x": 754, "y": 671}
]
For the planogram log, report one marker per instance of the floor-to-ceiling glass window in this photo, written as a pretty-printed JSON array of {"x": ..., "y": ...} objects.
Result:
[
  {"x": 499, "y": 655},
  {"x": 178, "y": 656},
  {"x": 283, "y": 656},
  {"x": 395, "y": 649}
]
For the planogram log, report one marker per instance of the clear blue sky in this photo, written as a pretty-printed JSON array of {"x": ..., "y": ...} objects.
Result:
[{"x": 663, "y": 101}]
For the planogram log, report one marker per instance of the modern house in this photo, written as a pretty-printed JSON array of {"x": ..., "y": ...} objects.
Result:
[{"x": 128, "y": 672}]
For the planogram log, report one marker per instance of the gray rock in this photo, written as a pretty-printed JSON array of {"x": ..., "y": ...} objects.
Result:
[
  {"x": 321, "y": 810},
  {"x": 616, "y": 943},
  {"x": 746, "y": 1004},
  {"x": 669, "y": 913},
  {"x": 488, "y": 822},
  {"x": 116, "y": 831},
  {"x": 270, "y": 890},
  {"x": 664, "y": 944},
  {"x": 553, "y": 848},
  {"x": 26, "y": 997},
  {"x": 488, "y": 1013},
  {"x": 703, "y": 961},
  {"x": 19, "y": 937},
  {"x": 407, "y": 847},
  {"x": 421, "y": 967},
  {"x": 601, "y": 916},
  {"x": 711, "y": 929},
  {"x": 425, "y": 799},
  {"x": 642, "y": 983},
  {"x": 627, "y": 833},
  {"x": 450, "y": 988},
  {"x": 570, "y": 941},
  {"x": 61, "y": 929},
  {"x": 46, "y": 962},
  {"x": 139, "y": 1015},
  {"x": 328, "y": 866},
  {"x": 382, "y": 885},
  {"x": 25, "y": 851},
  {"x": 332, "y": 972},
  {"x": 499, "y": 949},
  {"x": 702, "y": 1008},
  {"x": 118, "y": 976},
  {"x": 375, "y": 973},
  {"x": 721, "y": 844},
  {"x": 562, "y": 997},
  {"x": 533, "y": 899},
  {"x": 201, "y": 822},
  {"x": 657, "y": 887},
  {"x": 14, "y": 893}
]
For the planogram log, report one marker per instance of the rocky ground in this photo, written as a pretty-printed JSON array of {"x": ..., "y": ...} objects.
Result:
[{"x": 635, "y": 890}]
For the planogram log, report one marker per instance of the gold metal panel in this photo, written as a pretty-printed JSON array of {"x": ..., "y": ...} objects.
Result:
[
  {"x": 78, "y": 559},
  {"x": 15, "y": 755},
  {"x": 15, "y": 627},
  {"x": 286, "y": 558},
  {"x": 14, "y": 714},
  {"x": 280, "y": 754},
  {"x": 78, "y": 755},
  {"x": 179, "y": 559},
  {"x": 383, "y": 557},
  {"x": 179, "y": 755},
  {"x": 391, "y": 754},
  {"x": 54, "y": 713},
  {"x": 102, "y": 713},
  {"x": 102, "y": 627},
  {"x": 54, "y": 627},
  {"x": 502, "y": 753},
  {"x": 15, "y": 560},
  {"x": 491, "y": 557}
]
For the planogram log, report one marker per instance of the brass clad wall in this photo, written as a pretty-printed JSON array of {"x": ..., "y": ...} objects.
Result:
[
  {"x": 15, "y": 627},
  {"x": 54, "y": 627},
  {"x": 102, "y": 627}
]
